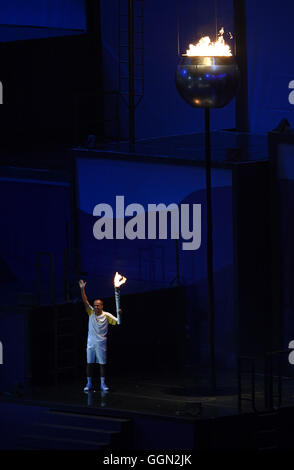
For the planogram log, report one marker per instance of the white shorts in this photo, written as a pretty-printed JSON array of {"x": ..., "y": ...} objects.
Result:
[{"x": 96, "y": 354}]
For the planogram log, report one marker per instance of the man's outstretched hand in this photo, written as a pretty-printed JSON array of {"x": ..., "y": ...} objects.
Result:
[{"x": 82, "y": 284}]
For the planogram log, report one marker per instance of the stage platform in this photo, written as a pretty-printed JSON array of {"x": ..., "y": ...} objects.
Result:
[
  {"x": 12, "y": 33},
  {"x": 243, "y": 147},
  {"x": 227, "y": 147},
  {"x": 161, "y": 412}
]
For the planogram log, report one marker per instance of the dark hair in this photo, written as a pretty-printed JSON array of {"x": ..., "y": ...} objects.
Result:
[{"x": 97, "y": 300}]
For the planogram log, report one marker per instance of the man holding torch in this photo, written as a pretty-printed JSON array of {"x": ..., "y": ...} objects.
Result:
[{"x": 97, "y": 331}]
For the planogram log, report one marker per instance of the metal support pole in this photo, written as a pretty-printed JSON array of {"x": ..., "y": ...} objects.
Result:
[
  {"x": 253, "y": 384},
  {"x": 131, "y": 75},
  {"x": 66, "y": 264},
  {"x": 271, "y": 383},
  {"x": 266, "y": 382},
  {"x": 209, "y": 249},
  {"x": 242, "y": 114},
  {"x": 177, "y": 263},
  {"x": 280, "y": 383},
  {"x": 239, "y": 378}
]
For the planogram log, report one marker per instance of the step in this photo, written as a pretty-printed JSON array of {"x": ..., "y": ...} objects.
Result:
[
  {"x": 75, "y": 432},
  {"x": 33, "y": 441},
  {"x": 268, "y": 414},
  {"x": 268, "y": 448},
  {"x": 266, "y": 431},
  {"x": 90, "y": 421},
  {"x": 266, "y": 440}
]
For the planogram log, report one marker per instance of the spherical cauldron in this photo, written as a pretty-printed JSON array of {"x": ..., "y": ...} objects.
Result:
[{"x": 207, "y": 82}]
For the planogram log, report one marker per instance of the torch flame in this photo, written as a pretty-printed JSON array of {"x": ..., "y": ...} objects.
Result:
[
  {"x": 205, "y": 47},
  {"x": 119, "y": 280}
]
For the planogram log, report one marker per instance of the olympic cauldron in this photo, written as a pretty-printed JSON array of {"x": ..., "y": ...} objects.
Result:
[
  {"x": 207, "y": 82},
  {"x": 208, "y": 76}
]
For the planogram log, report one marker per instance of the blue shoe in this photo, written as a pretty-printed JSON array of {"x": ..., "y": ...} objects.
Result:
[
  {"x": 88, "y": 388},
  {"x": 103, "y": 385}
]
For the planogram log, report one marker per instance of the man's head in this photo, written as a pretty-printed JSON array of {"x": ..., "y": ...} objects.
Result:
[{"x": 98, "y": 306}]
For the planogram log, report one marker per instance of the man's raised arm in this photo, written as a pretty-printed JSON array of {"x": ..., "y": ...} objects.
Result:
[{"x": 88, "y": 307}]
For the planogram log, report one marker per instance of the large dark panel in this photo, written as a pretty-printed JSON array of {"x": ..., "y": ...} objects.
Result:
[
  {"x": 281, "y": 147},
  {"x": 252, "y": 257},
  {"x": 52, "y": 91}
]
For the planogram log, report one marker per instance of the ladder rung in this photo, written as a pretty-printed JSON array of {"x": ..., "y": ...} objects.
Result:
[
  {"x": 135, "y": 78},
  {"x": 126, "y": 31},
  {"x": 65, "y": 368},
  {"x": 136, "y": 48},
  {"x": 123, "y": 62},
  {"x": 67, "y": 351},
  {"x": 135, "y": 94},
  {"x": 65, "y": 335}
]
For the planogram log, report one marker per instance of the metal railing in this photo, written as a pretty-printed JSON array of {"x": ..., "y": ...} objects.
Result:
[
  {"x": 269, "y": 393},
  {"x": 273, "y": 379},
  {"x": 131, "y": 57},
  {"x": 241, "y": 398}
]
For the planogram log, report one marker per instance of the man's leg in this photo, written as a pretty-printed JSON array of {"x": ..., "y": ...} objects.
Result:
[
  {"x": 102, "y": 370},
  {"x": 90, "y": 368},
  {"x": 101, "y": 359},
  {"x": 103, "y": 385}
]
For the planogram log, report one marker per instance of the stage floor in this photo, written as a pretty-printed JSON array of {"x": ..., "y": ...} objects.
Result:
[{"x": 157, "y": 395}]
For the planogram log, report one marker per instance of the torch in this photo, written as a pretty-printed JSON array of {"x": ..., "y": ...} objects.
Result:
[
  {"x": 207, "y": 76},
  {"x": 118, "y": 281}
]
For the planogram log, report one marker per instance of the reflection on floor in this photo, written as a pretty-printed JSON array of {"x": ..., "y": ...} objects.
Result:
[{"x": 164, "y": 396}]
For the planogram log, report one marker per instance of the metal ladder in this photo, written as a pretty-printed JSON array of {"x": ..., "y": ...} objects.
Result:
[
  {"x": 131, "y": 57},
  {"x": 65, "y": 360},
  {"x": 41, "y": 256}
]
